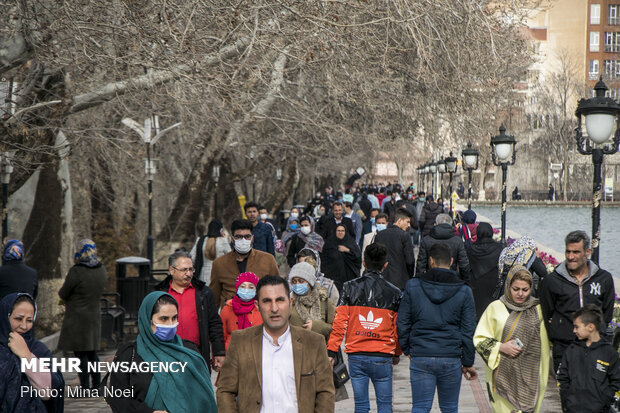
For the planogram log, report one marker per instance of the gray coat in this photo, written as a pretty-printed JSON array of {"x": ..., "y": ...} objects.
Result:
[{"x": 81, "y": 327}]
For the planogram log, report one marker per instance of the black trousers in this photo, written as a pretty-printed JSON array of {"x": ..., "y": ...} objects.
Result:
[
  {"x": 85, "y": 357},
  {"x": 558, "y": 351}
]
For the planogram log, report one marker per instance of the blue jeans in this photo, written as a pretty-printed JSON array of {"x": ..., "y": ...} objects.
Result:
[
  {"x": 379, "y": 370},
  {"x": 430, "y": 372}
]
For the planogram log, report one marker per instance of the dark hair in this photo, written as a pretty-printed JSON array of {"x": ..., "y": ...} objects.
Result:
[
  {"x": 22, "y": 298},
  {"x": 589, "y": 314},
  {"x": 343, "y": 226},
  {"x": 381, "y": 216},
  {"x": 214, "y": 229},
  {"x": 305, "y": 252},
  {"x": 337, "y": 203},
  {"x": 348, "y": 204},
  {"x": 272, "y": 280},
  {"x": 261, "y": 207},
  {"x": 375, "y": 256},
  {"x": 375, "y": 209},
  {"x": 421, "y": 193},
  {"x": 401, "y": 213},
  {"x": 162, "y": 301},
  {"x": 172, "y": 259},
  {"x": 240, "y": 224},
  {"x": 305, "y": 218},
  {"x": 250, "y": 204},
  {"x": 440, "y": 252},
  {"x": 430, "y": 198},
  {"x": 575, "y": 237}
]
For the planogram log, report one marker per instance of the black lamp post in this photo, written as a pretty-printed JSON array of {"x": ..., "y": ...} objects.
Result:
[
  {"x": 451, "y": 168},
  {"x": 216, "y": 179},
  {"x": 426, "y": 174},
  {"x": 7, "y": 169},
  {"x": 441, "y": 168},
  {"x": 601, "y": 117},
  {"x": 503, "y": 154},
  {"x": 470, "y": 161}
]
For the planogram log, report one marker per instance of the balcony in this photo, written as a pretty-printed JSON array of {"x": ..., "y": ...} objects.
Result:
[{"x": 614, "y": 21}]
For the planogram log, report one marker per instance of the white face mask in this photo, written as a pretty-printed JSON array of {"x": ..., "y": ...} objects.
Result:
[
  {"x": 243, "y": 246},
  {"x": 294, "y": 215},
  {"x": 305, "y": 230},
  {"x": 263, "y": 216}
]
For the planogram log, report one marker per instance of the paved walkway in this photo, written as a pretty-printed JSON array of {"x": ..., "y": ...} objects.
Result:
[{"x": 473, "y": 395}]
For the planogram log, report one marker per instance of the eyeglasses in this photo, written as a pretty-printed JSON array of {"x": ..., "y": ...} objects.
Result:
[
  {"x": 189, "y": 269},
  {"x": 240, "y": 237}
]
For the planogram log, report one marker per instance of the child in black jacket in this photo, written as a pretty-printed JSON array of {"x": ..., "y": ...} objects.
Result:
[{"x": 589, "y": 374}]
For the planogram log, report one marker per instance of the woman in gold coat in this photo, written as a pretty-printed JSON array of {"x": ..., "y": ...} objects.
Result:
[{"x": 512, "y": 340}]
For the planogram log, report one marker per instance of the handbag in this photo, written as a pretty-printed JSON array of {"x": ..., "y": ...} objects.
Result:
[{"x": 340, "y": 372}]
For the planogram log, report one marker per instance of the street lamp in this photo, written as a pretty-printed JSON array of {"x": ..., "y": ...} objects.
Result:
[
  {"x": 451, "y": 168},
  {"x": 427, "y": 170},
  {"x": 7, "y": 169},
  {"x": 216, "y": 179},
  {"x": 150, "y": 134},
  {"x": 433, "y": 168},
  {"x": 470, "y": 161},
  {"x": 503, "y": 154},
  {"x": 441, "y": 167},
  {"x": 601, "y": 117}
]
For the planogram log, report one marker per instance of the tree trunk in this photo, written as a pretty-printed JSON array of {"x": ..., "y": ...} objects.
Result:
[{"x": 48, "y": 237}]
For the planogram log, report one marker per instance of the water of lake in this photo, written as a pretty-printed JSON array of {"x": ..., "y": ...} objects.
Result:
[{"x": 549, "y": 226}]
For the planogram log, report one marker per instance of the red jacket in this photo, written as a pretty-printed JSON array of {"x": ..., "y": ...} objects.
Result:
[
  {"x": 229, "y": 320},
  {"x": 367, "y": 317}
]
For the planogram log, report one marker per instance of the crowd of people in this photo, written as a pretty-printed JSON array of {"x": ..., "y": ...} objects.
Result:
[{"x": 269, "y": 306}]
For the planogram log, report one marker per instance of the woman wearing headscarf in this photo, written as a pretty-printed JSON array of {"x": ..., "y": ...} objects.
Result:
[
  {"x": 189, "y": 390},
  {"x": 81, "y": 293},
  {"x": 17, "y": 315},
  {"x": 15, "y": 276},
  {"x": 512, "y": 339},
  {"x": 483, "y": 257},
  {"x": 305, "y": 238},
  {"x": 342, "y": 258},
  {"x": 207, "y": 248},
  {"x": 523, "y": 251},
  {"x": 241, "y": 311}
]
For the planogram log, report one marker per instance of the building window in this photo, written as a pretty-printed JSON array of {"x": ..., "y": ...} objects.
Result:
[
  {"x": 595, "y": 14},
  {"x": 593, "y": 70},
  {"x": 612, "y": 69},
  {"x": 594, "y": 41},
  {"x": 613, "y": 14}
]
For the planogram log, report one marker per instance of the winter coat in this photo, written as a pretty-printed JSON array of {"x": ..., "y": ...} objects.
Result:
[
  {"x": 560, "y": 296},
  {"x": 588, "y": 377},
  {"x": 437, "y": 317},
  {"x": 296, "y": 245},
  {"x": 322, "y": 326},
  {"x": 229, "y": 320},
  {"x": 209, "y": 322},
  {"x": 326, "y": 227},
  {"x": 401, "y": 260},
  {"x": 366, "y": 316},
  {"x": 427, "y": 217},
  {"x": 17, "y": 277},
  {"x": 81, "y": 292},
  {"x": 263, "y": 238},
  {"x": 445, "y": 234},
  {"x": 483, "y": 256}
]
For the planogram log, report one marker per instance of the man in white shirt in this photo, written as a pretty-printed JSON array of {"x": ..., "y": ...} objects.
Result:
[{"x": 275, "y": 368}]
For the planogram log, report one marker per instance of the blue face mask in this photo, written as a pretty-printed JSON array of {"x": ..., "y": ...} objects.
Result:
[
  {"x": 372, "y": 221},
  {"x": 300, "y": 289},
  {"x": 293, "y": 227},
  {"x": 381, "y": 227},
  {"x": 165, "y": 332},
  {"x": 246, "y": 294}
]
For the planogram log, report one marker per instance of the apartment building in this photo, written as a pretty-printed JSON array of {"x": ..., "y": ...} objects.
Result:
[{"x": 603, "y": 46}]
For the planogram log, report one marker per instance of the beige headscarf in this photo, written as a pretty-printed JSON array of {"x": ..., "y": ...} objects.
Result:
[{"x": 517, "y": 379}]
